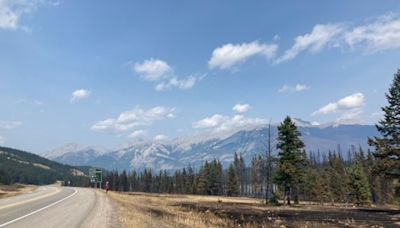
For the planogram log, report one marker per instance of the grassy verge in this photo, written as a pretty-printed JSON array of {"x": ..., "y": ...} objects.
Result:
[{"x": 15, "y": 189}]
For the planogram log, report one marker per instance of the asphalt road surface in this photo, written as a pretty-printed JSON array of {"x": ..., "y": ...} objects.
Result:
[{"x": 54, "y": 206}]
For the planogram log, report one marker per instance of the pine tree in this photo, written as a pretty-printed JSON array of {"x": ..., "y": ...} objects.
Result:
[
  {"x": 388, "y": 146},
  {"x": 232, "y": 188},
  {"x": 360, "y": 190},
  {"x": 338, "y": 178},
  {"x": 202, "y": 180},
  {"x": 292, "y": 162},
  {"x": 316, "y": 185},
  {"x": 190, "y": 181},
  {"x": 123, "y": 182}
]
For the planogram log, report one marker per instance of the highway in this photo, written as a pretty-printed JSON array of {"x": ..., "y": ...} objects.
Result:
[{"x": 55, "y": 206}]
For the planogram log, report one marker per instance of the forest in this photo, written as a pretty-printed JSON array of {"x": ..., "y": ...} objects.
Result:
[{"x": 329, "y": 179}]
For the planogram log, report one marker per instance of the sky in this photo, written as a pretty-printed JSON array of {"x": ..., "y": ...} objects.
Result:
[{"x": 110, "y": 72}]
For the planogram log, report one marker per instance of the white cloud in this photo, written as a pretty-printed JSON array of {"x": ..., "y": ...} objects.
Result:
[
  {"x": 213, "y": 121},
  {"x": 376, "y": 35},
  {"x": 241, "y": 108},
  {"x": 160, "y": 138},
  {"x": 174, "y": 82},
  {"x": 153, "y": 69},
  {"x": 353, "y": 101},
  {"x": 292, "y": 89},
  {"x": 229, "y": 55},
  {"x": 12, "y": 11},
  {"x": 219, "y": 123},
  {"x": 5, "y": 124},
  {"x": 131, "y": 119},
  {"x": 381, "y": 34},
  {"x": 79, "y": 94},
  {"x": 349, "y": 104},
  {"x": 314, "y": 42},
  {"x": 239, "y": 121},
  {"x": 2, "y": 140},
  {"x": 137, "y": 134},
  {"x": 159, "y": 71}
]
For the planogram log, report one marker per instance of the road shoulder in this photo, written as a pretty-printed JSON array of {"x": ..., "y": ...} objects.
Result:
[{"x": 104, "y": 213}]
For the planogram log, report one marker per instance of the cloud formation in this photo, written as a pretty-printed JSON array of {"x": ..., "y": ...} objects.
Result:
[
  {"x": 175, "y": 82},
  {"x": 373, "y": 36},
  {"x": 159, "y": 71},
  {"x": 2, "y": 140},
  {"x": 137, "y": 134},
  {"x": 349, "y": 107},
  {"x": 292, "y": 89},
  {"x": 132, "y": 119},
  {"x": 229, "y": 55},
  {"x": 79, "y": 94},
  {"x": 7, "y": 124},
  {"x": 241, "y": 108},
  {"x": 314, "y": 42},
  {"x": 379, "y": 35},
  {"x": 221, "y": 123},
  {"x": 153, "y": 69},
  {"x": 12, "y": 11}
]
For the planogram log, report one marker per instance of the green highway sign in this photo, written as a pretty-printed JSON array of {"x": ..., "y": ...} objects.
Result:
[{"x": 96, "y": 176}]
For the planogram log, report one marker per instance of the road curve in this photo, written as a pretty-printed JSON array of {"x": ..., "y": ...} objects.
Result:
[{"x": 54, "y": 206}]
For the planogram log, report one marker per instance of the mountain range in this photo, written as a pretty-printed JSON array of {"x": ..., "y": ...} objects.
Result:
[{"x": 181, "y": 152}]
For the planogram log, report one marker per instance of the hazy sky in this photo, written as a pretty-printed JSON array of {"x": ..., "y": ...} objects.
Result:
[{"x": 107, "y": 72}]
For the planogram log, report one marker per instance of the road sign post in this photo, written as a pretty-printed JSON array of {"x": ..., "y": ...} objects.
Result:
[{"x": 96, "y": 177}]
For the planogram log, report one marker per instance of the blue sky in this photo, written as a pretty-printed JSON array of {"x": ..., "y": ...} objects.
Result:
[{"x": 106, "y": 72}]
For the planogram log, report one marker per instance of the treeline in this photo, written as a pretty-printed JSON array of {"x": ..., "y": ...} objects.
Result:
[{"x": 327, "y": 178}]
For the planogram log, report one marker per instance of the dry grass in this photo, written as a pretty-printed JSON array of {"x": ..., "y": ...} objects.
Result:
[
  {"x": 164, "y": 210},
  {"x": 15, "y": 189},
  {"x": 148, "y": 210}
]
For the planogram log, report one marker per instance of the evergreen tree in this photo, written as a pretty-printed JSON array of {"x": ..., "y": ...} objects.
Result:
[
  {"x": 338, "y": 178},
  {"x": 316, "y": 185},
  {"x": 232, "y": 188},
  {"x": 388, "y": 146},
  {"x": 202, "y": 180},
  {"x": 190, "y": 181},
  {"x": 240, "y": 168},
  {"x": 292, "y": 161},
  {"x": 360, "y": 191}
]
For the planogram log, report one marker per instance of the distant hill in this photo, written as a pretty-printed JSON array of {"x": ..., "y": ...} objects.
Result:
[
  {"x": 22, "y": 167},
  {"x": 178, "y": 153}
]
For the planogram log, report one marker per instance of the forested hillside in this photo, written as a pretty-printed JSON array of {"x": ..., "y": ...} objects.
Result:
[{"x": 22, "y": 167}]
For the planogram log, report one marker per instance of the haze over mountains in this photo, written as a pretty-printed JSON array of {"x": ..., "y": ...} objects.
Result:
[{"x": 178, "y": 153}]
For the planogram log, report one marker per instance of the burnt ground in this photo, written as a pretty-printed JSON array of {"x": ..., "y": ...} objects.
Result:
[{"x": 311, "y": 216}]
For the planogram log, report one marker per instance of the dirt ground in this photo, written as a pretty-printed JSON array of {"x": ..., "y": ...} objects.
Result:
[
  {"x": 15, "y": 189},
  {"x": 162, "y": 210}
]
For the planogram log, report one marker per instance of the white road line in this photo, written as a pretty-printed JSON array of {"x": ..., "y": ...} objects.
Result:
[{"x": 39, "y": 210}]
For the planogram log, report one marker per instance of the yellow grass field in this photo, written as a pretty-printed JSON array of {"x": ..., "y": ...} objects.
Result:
[
  {"x": 16, "y": 189},
  {"x": 166, "y": 210}
]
